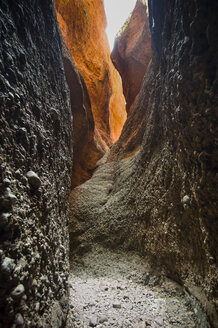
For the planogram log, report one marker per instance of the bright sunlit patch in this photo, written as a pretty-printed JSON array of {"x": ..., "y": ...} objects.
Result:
[{"x": 117, "y": 11}]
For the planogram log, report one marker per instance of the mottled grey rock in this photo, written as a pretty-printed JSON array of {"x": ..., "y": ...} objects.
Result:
[
  {"x": 19, "y": 319},
  {"x": 4, "y": 219},
  {"x": 7, "y": 265},
  {"x": 33, "y": 179},
  {"x": 185, "y": 199},
  {"x": 159, "y": 321},
  {"x": 37, "y": 307},
  {"x": 8, "y": 199},
  {"x": 6, "y": 182},
  {"x": 117, "y": 305},
  {"x": 93, "y": 322},
  {"x": 103, "y": 319}
]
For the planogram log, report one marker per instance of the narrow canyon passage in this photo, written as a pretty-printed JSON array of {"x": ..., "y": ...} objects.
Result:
[
  {"x": 108, "y": 206},
  {"x": 116, "y": 289}
]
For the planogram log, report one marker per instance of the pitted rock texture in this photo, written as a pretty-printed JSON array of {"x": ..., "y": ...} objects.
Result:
[
  {"x": 132, "y": 53},
  {"x": 82, "y": 24},
  {"x": 88, "y": 147},
  {"x": 35, "y": 167},
  {"x": 155, "y": 191}
]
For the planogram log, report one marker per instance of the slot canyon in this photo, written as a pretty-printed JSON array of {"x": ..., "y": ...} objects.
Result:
[{"x": 108, "y": 165}]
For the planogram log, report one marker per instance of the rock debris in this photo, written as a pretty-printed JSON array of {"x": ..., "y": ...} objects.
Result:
[{"x": 116, "y": 289}]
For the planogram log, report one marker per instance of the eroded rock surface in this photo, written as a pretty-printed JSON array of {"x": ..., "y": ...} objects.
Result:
[
  {"x": 83, "y": 25},
  {"x": 35, "y": 167},
  {"x": 155, "y": 190},
  {"x": 132, "y": 52}
]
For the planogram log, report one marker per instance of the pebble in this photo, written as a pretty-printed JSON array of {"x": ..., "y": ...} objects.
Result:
[
  {"x": 37, "y": 307},
  {"x": 93, "y": 321},
  {"x": 185, "y": 199},
  {"x": 6, "y": 182},
  {"x": 160, "y": 322},
  {"x": 19, "y": 319},
  {"x": 103, "y": 319},
  {"x": 33, "y": 179},
  {"x": 7, "y": 265},
  {"x": 117, "y": 306},
  {"x": 4, "y": 219},
  {"x": 18, "y": 291},
  {"x": 8, "y": 199}
]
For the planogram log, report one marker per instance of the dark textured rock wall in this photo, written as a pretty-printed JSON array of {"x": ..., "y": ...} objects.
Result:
[
  {"x": 35, "y": 135},
  {"x": 155, "y": 191}
]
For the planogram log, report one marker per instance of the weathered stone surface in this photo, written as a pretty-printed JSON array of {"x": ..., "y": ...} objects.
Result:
[
  {"x": 83, "y": 25},
  {"x": 33, "y": 178},
  {"x": 132, "y": 52},
  {"x": 36, "y": 135},
  {"x": 137, "y": 196}
]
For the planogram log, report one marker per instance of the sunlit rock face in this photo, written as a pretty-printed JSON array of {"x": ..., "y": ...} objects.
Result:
[
  {"x": 83, "y": 25},
  {"x": 155, "y": 191},
  {"x": 88, "y": 147},
  {"x": 35, "y": 167},
  {"x": 132, "y": 52}
]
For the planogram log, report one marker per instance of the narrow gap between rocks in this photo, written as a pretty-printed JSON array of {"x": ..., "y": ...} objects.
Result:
[{"x": 112, "y": 288}]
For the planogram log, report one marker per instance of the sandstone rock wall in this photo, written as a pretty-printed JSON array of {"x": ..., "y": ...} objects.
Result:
[
  {"x": 132, "y": 52},
  {"x": 82, "y": 24},
  {"x": 155, "y": 191},
  {"x": 88, "y": 147},
  {"x": 35, "y": 167}
]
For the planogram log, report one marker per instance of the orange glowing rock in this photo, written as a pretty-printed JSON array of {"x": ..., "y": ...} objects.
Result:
[
  {"x": 82, "y": 23},
  {"x": 132, "y": 52}
]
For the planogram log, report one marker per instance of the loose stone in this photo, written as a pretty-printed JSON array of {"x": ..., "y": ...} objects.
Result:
[
  {"x": 103, "y": 319},
  {"x": 93, "y": 321},
  {"x": 33, "y": 179},
  {"x": 19, "y": 319},
  {"x": 7, "y": 265},
  {"x": 18, "y": 291},
  {"x": 185, "y": 199},
  {"x": 4, "y": 219}
]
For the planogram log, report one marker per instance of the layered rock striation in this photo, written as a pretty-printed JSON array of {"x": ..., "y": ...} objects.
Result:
[
  {"x": 82, "y": 24},
  {"x": 155, "y": 191},
  {"x": 35, "y": 167},
  {"x": 132, "y": 52}
]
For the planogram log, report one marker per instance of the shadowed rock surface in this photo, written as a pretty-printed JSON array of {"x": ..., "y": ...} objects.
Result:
[
  {"x": 82, "y": 24},
  {"x": 35, "y": 167},
  {"x": 155, "y": 191},
  {"x": 132, "y": 52}
]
